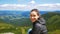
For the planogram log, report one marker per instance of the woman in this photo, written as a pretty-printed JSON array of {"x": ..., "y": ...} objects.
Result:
[{"x": 39, "y": 26}]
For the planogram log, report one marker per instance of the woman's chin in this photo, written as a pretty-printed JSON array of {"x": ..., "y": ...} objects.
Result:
[{"x": 33, "y": 21}]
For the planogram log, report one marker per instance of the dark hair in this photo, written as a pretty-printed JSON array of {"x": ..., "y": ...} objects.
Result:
[{"x": 36, "y": 10}]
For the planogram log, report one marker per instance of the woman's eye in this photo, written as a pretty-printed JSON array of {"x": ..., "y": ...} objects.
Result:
[{"x": 34, "y": 15}]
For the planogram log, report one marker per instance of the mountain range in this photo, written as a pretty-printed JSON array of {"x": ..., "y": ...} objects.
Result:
[{"x": 20, "y": 17}]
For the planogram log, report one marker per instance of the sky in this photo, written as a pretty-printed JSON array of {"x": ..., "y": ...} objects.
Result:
[{"x": 44, "y": 5}]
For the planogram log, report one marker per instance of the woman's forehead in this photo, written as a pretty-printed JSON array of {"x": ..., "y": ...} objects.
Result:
[{"x": 33, "y": 12}]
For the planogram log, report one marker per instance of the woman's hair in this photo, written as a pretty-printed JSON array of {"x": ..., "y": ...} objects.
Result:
[{"x": 36, "y": 10}]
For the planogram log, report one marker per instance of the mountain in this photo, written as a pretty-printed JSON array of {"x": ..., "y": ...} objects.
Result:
[
  {"x": 52, "y": 20},
  {"x": 50, "y": 14},
  {"x": 18, "y": 18},
  {"x": 21, "y": 18},
  {"x": 22, "y": 13}
]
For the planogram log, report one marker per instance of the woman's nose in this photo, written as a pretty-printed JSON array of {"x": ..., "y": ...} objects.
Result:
[{"x": 32, "y": 17}]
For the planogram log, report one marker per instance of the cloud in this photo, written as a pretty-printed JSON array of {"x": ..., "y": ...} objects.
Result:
[
  {"x": 11, "y": 7},
  {"x": 30, "y": 6},
  {"x": 48, "y": 6},
  {"x": 32, "y": 2}
]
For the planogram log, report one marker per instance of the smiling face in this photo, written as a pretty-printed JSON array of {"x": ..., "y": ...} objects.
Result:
[{"x": 34, "y": 16}]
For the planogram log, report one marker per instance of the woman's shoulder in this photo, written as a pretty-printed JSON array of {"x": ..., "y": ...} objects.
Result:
[{"x": 42, "y": 20}]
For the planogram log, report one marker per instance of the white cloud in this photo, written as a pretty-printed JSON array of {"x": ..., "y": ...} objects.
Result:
[
  {"x": 11, "y": 7},
  {"x": 29, "y": 6},
  {"x": 32, "y": 2}
]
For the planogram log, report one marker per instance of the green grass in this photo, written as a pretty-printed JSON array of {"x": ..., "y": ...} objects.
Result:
[
  {"x": 23, "y": 30},
  {"x": 54, "y": 32}
]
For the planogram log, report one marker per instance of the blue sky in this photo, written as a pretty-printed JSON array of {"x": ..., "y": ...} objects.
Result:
[
  {"x": 27, "y": 1},
  {"x": 29, "y": 4}
]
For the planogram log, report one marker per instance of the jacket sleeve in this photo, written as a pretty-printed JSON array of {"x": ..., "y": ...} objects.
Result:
[{"x": 36, "y": 29}]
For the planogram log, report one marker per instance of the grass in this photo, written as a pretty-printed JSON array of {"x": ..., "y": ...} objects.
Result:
[{"x": 54, "y": 32}]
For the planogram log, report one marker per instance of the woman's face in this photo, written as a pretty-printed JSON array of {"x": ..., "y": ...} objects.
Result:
[{"x": 34, "y": 16}]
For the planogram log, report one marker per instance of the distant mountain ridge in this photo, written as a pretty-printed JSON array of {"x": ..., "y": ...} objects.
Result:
[{"x": 18, "y": 13}]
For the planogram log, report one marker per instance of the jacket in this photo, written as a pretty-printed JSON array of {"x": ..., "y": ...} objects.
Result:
[{"x": 39, "y": 27}]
